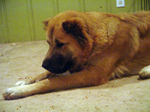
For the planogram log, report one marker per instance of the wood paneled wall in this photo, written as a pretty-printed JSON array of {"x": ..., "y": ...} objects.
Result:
[{"x": 21, "y": 20}]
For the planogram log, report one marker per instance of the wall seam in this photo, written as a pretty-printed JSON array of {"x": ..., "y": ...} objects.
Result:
[
  {"x": 31, "y": 20},
  {"x": 5, "y": 20}
]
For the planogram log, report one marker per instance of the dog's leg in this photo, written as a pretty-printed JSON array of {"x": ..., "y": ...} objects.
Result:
[
  {"x": 145, "y": 72},
  {"x": 89, "y": 76},
  {"x": 119, "y": 72},
  {"x": 81, "y": 79},
  {"x": 34, "y": 79}
]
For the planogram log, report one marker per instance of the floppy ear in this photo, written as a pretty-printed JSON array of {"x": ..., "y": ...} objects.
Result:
[
  {"x": 77, "y": 27},
  {"x": 46, "y": 23}
]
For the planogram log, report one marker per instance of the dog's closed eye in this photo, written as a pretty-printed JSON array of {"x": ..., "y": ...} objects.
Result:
[{"x": 59, "y": 44}]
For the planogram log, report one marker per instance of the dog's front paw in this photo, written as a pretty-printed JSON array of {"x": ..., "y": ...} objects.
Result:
[
  {"x": 15, "y": 92},
  {"x": 19, "y": 92},
  {"x": 21, "y": 83},
  {"x": 24, "y": 82},
  {"x": 145, "y": 72}
]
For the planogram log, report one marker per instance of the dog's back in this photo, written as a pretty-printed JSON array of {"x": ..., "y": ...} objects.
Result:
[
  {"x": 140, "y": 19},
  {"x": 141, "y": 59}
]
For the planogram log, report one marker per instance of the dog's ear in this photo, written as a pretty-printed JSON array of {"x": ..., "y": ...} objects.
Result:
[
  {"x": 77, "y": 27},
  {"x": 46, "y": 23}
]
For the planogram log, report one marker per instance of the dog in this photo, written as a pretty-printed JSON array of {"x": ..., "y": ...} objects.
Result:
[{"x": 94, "y": 48}]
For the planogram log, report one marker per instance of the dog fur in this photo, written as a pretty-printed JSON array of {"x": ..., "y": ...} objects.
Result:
[{"x": 94, "y": 47}]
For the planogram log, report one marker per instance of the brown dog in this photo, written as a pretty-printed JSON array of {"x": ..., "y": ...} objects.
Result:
[{"x": 94, "y": 47}]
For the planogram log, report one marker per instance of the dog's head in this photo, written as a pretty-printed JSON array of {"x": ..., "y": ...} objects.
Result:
[{"x": 68, "y": 38}]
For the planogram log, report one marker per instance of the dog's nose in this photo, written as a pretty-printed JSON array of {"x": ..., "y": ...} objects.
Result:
[{"x": 45, "y": 64}]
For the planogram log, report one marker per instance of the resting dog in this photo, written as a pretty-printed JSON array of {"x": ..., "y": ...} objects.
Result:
[{"x": 94, "y": 47}]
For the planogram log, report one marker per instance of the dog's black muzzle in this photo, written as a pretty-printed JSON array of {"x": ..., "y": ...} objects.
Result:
[{"x": 57, "y": 63}]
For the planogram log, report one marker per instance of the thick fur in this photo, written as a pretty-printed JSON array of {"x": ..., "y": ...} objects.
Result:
[{"x": 94, "y": 47}]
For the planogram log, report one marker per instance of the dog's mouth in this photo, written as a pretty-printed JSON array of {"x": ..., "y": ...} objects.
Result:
[
  {"x": 59, "y": 69},
  {"x": 58, "y": 64}
]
